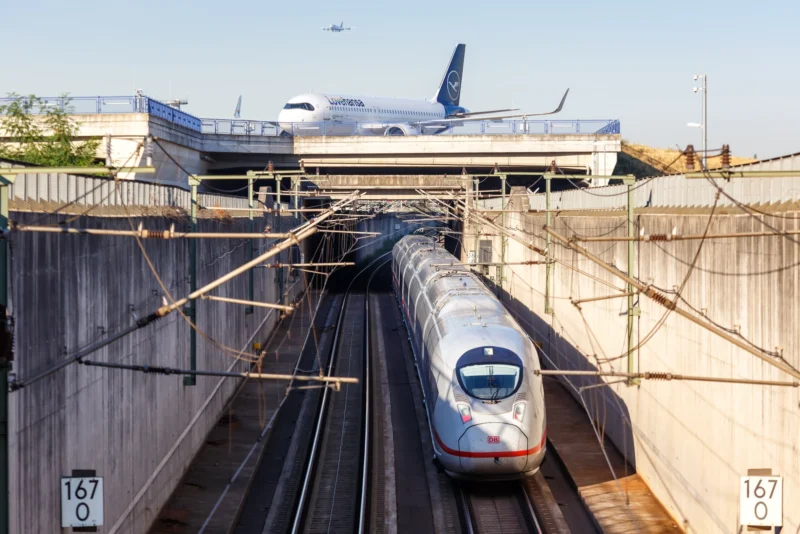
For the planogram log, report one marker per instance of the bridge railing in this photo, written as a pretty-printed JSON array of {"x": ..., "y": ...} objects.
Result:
[
  {"x": 145, "y": 104},
  {"x": 337, "y": 128},
  {"x": 239, "y": 127},
  {"x": 97, "y": 105}
]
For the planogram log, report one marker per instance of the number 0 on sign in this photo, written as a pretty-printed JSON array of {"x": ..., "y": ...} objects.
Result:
[
  {"x": 81, "y": 501},
  {"x": 761, "y": 501}
]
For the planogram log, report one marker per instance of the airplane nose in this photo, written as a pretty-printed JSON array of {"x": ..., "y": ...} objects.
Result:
[{"x": 285, "y": 122}]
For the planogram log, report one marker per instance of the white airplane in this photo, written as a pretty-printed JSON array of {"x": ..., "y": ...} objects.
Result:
[
  {"x": 328, "y": 114},
  {"x": 336, "y": 28},
  {"x": 237, "y": 113}
]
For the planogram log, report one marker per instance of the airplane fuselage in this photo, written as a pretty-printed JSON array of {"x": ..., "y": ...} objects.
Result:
[{"x": 341, "y": 115}]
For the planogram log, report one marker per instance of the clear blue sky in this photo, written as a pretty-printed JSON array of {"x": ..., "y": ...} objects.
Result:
[{"x": 628, "y": 60}]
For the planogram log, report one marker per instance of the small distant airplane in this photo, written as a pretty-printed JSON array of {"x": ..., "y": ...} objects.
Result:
[
  {"x": 237, "y": 113},
  {"x": 336, "y": 28}
]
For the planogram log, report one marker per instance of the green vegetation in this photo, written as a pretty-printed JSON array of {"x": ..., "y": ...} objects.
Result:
[{"x": 43, "y": 135}]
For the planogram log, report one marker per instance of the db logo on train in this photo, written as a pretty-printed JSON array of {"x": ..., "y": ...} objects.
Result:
[{"x": 493, "y": 439}]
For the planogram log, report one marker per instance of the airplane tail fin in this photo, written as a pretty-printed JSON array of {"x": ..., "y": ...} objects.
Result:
[
  {"x": 237, "y": 114},
  {"x": 450, "y": 89}
]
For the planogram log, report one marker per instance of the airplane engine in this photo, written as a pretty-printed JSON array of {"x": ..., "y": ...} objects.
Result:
[{"x": 401, "y": 129}]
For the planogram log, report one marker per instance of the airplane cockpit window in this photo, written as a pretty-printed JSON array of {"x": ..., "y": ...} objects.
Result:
[{"x": 299, "y": 105}]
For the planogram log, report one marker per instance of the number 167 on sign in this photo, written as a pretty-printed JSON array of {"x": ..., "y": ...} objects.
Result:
[
  {"x": 81, "y": 501},
  {"x": 761, "y": 501}
]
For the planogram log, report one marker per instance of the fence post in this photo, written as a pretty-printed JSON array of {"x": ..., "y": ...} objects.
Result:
[
  {"x": 250, "y": 277},
  {"x": 548, "y": 309},
  {"x": 633, "y": 310},
  {"x": 6, "y": 356},
  {"x": 191, "y": 312}
]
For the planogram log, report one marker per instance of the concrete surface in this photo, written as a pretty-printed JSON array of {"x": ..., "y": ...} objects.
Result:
[
  {"x": 689, "y": 441},
  {"x": 138, "y": 431}
]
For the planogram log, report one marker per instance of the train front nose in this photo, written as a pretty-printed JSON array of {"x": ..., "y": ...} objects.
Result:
[{"x": 493, "y": 449}]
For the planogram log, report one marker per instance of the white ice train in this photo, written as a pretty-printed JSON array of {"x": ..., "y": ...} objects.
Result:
[{"x": 485, "y": 404}]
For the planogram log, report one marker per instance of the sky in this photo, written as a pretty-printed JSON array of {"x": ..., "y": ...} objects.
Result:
[{"x": 626, "y": 60}]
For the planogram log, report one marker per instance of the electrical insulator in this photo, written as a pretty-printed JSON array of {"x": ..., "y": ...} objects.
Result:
[
  {"x": 496, "y": 169},
  {"x": 689, "y": 153},
  {"x": 302, "y": 167},
  {"x": 108, "y": 150},
  {"x": 553, "y": 166},
  {"x": 148, "y": 151},
  {"x": 726, "y": 156},
  {"x": 270, "y": 166}
]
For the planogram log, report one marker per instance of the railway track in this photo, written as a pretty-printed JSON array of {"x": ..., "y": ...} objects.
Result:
[
  {"x": 334, "y": 493},
  {"x": 488, "y": 508},
  {"x": 521, "y": 506}
]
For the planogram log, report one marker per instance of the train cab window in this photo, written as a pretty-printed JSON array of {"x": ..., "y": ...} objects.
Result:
[{"x": 489, "y": 381}]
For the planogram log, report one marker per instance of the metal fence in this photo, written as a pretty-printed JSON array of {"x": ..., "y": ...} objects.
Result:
[
  {"x": 93, "y": 105},
  {"x": 675, "y": 191},
  {"x": 92, "y": 191},
  {"x": 338, "y": 128},
  {"x": 85, "y": 105}
]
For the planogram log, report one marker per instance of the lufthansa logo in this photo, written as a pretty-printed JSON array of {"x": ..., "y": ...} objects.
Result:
[{"x": 453, "y": 84}]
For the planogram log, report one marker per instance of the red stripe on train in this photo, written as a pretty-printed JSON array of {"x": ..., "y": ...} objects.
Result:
[{"x": 487, "y": 454}]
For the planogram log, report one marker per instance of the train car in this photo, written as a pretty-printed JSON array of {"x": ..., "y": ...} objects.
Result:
[{"x": 484, "y": 403}]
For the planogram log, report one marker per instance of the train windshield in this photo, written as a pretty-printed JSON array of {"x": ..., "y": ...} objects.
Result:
[{"x": 493, "y": 381}]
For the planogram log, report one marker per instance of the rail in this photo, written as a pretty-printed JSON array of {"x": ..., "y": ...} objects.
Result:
[
  {"x": 496, "y": 506},
  {"x": 315, "y": 456},
  {"x": 100, "y": 105}
]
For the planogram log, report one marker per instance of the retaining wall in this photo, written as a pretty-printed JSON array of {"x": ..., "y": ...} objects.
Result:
[
  {"x": 138, "y": 431},
  {"x": 691, "y": 441}
]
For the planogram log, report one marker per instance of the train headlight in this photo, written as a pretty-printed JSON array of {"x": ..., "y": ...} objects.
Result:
[
  {"x": 519, "y": 411},
  {"x": 465, "y": 412}
]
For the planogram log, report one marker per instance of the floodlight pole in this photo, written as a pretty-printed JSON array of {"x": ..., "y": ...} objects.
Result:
[
  {"x": 705, "y": 121},
  {"x": 704, "y": 124}
]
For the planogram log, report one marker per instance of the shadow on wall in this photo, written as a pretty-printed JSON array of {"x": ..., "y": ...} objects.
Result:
[{"x": 609, "y": 414}]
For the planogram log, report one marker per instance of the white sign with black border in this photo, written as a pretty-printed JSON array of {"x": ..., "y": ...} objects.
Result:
[
  {"x": 81, "y": 501},
  {"x": 761, "y": 501}
]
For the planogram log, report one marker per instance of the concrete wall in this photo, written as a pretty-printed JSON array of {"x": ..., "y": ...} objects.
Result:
[
  {"x": 594, "y": 153},
  {"x": 691, "y": 441},
  {"x": 139, "y": 431}
]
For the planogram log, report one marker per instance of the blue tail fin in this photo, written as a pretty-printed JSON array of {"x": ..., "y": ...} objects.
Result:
[{"x": 450, "y": 89}]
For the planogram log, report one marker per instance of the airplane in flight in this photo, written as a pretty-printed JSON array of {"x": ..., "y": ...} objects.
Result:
[
  {"x": 332, "y": 114},
  {"x": 237, "y": 113},
  {"x": 336, "y": 28}
]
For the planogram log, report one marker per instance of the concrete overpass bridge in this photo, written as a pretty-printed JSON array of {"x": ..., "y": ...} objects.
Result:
[{"x": 201, "y": 146}]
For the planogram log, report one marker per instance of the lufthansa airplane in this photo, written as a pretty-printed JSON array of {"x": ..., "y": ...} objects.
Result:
[
  {"x": 336, "y": 28},
  {"x": 347, "y": 115}
]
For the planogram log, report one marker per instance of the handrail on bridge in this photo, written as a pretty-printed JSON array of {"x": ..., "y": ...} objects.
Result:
[{"x": 144, "y": 104}]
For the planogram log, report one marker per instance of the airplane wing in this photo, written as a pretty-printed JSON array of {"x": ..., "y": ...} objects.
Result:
[
  {"x": 467, "y": 117},
  {"x": 471, "y": 113}
]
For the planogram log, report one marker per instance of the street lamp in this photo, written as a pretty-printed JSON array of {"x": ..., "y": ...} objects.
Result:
[{"x": 704, "y": 125}]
